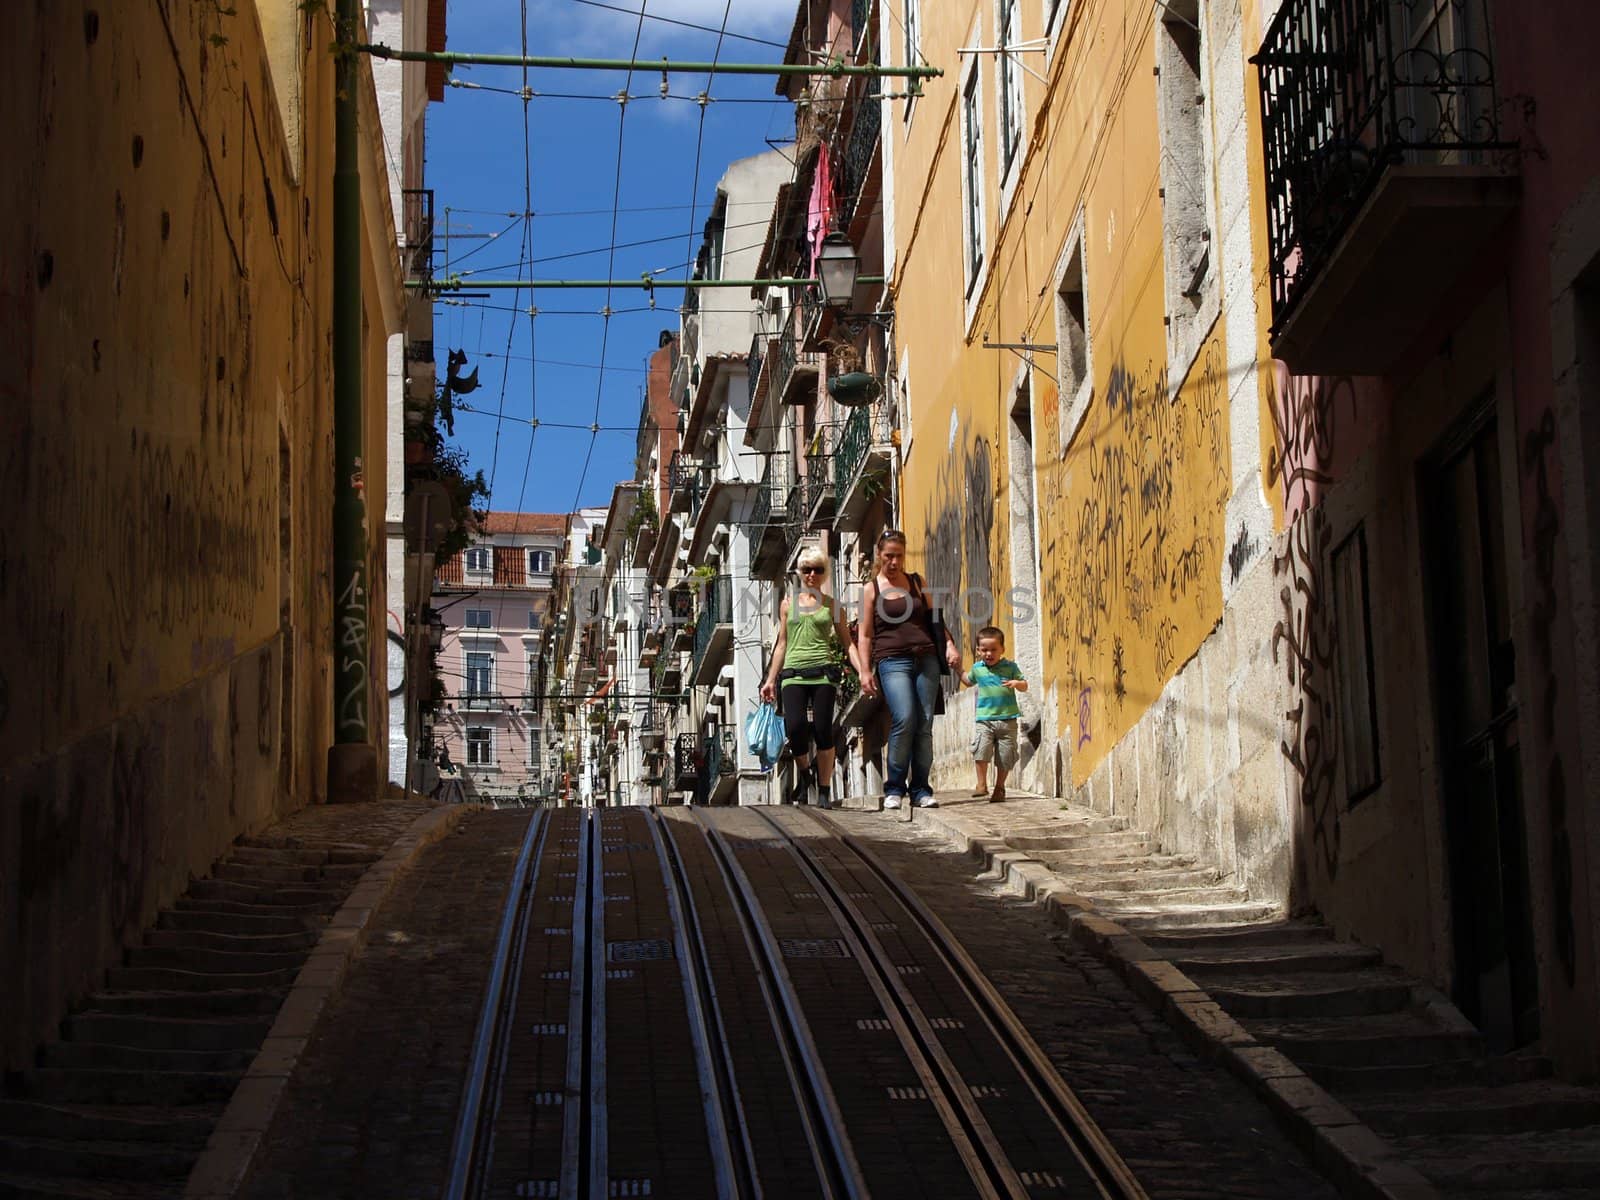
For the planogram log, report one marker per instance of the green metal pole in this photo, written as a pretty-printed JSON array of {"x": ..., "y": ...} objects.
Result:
[
  {"x": 456, "y": 283},
  {"x": 834, "y": 68},
  {"x": 352, "y": 759}
]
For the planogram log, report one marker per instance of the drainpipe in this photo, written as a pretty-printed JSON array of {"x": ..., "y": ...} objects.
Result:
[{"x": 352, "y": 758}]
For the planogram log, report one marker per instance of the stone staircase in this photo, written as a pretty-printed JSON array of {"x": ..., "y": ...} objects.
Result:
[
  {"x": 1401, "y": 1057},
  {"x": 1123, "y": 871},
  {"x": 122, "y": 1106}
]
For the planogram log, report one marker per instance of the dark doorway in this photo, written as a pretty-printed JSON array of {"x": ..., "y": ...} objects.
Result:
[{"x": 1474, "y": 682}]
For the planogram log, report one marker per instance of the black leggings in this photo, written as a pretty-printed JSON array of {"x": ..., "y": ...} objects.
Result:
[{"x": 795, "y": 696}]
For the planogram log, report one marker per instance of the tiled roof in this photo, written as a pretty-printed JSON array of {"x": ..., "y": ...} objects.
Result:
[{"x": 514, "y": 522}]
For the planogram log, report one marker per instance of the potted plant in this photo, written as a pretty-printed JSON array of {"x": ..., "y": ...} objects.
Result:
[{"x": 848, "y": 384}]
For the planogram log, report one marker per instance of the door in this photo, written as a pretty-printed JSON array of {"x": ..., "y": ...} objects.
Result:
[{"x": 1474, "y": 682}]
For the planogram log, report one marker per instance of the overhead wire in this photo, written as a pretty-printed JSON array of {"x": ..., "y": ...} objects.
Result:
[{"x": 533, "y": 331}]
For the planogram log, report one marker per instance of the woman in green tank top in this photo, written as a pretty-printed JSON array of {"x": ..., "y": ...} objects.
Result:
[{"x": 805, "y": 673}]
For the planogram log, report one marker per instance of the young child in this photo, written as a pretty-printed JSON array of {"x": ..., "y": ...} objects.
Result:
[{"x": 997, "y": 679}]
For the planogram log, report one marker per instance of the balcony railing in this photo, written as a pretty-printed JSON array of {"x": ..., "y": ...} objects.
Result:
[
  {"x": 861, "y": 149},
  {"x": 417, "y": 204},
  {"x": 713, "y": 630},
  {"x": 1350, "y": 89},
  {"x": 684, "y": 481},
  {"x": 794, "y": 516},
  {"x": 791, "y": 368},
  {"x": 819, "y": 486},
  {"x": 688, "y": 761},
  {"x": 860, "y": 20},
  {"x": 758, "y": 356},
  {"x": 860, "y": 462}
]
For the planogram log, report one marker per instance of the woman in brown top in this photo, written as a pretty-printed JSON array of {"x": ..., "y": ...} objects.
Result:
[{"x": 897, "y": 655}]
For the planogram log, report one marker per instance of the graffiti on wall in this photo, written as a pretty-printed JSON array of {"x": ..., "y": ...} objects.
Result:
[
  {"x": 1536, "y": 447},
  {"x": 1132, "y": 549},
  {"x": 960, "y": 545},
  {"x": 1303, "y": 462}
]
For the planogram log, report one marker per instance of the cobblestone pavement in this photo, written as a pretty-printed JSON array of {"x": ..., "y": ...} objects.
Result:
[
  {"x": 1188, "y": 1129},
  {"x": 372, "y": 1107},
  {"x": 377, "y": 824}
]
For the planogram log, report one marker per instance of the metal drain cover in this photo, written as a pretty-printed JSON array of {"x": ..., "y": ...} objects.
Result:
[
  {"x": 813, "y": 948},
  {"x": 643, "y": 950}
]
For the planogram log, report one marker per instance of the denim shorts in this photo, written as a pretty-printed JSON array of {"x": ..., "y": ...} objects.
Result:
[{"x": 996, "y": 742}]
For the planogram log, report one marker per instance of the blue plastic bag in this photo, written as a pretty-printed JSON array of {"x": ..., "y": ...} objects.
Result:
[{"x": 763, "y": 733}]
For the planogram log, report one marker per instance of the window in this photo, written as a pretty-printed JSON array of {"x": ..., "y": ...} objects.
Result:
[
  {"x": 1009, "y": 82},
  {"x": 535, "y": 747},
  {"x": 540, "y": 562},
  {"x": 1072, "y": 344},
  {"x": 480, "y": 746},
  {"x": 479, "y": 618},
  {"x": 1191, "y": 294},
  {"x": 480, "y": 674},
  {"x": 533, "y": 619},
  {"x": 1358, "y": 700},
  {"x": 480, "y": 559},
  {"x": 972, "y": 175},
  {"x": 1051, "y": 8}
]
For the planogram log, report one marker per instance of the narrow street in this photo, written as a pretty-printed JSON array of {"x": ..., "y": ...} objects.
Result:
[{"x": 372, "y": 1105}]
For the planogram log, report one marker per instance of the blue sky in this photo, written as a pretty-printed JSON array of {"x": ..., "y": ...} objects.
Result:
[{"x": 568, "y": 365}]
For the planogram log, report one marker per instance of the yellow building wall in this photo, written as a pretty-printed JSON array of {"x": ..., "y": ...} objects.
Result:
[
  {"x": 165, "y": 466},
  {"x": 1130, "y": 516}
]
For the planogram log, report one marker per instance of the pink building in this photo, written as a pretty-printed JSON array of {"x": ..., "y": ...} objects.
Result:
[{"x": 494, "y": 598}]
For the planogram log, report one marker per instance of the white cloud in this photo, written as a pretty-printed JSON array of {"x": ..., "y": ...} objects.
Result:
[{"x": 583, "y": 29}]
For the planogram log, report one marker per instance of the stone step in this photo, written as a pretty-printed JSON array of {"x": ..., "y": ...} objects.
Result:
[
  {"x": 1273, "y": 959},
  {"x": 64, "y": 1086},
  {"x": 231, "y": 1003},
  {"x": 1541, "y": 1105},
  {"x": 115, "y": 1123},
  {"x": 1046, "y": 837},
  {"x": 1381, "y": 1039},
  {"x": 216, "y": 961},
  {"x": 92, "y": 1160},
  {"x": 254, "y": 943},
  {"x": 246, "y": 924},
  {"x": 170, "y": 979},
  {"x": 332, "y": 850},
  {"x": 1498, "y": 1071},
  {"x": 1149, "y": 882},
  {"x": 1060, "y": 847},
  {"x": 1089, "y": 863},
  {"x": 1268, "y": 933},
  {"x": 1200, "y": 899},
  {"x": 1564, "y": 1163},
  {"x": 161, "y": 1033},
  {"x": 278, "y": 897},
  {"x": 1312, "y": 993},
  {"x": 105, "y": 1056},
  {"x": 269, "y": 875},
  {"x": 1177, "y": 916}
]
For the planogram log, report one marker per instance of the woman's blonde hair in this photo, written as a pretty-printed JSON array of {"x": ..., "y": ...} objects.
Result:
[{"x": 812, "y": 557}]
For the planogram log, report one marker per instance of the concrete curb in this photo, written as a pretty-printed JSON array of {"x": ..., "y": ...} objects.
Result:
[
  {"x": 1357, "y": 1160},
  {"x": 246, "y": 1123}
]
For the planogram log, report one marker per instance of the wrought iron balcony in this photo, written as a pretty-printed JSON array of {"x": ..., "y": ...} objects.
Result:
[
  {"x": 794, "y": 373},
  {"x": 685, "y": 481},
  {"x": 794, "y": 517},
  {"x": 417, "y": 204},
  {"x": 861, "y": 149},
  {"x": 721, "y": 762},
  {"x": 757, "y": 360},
  {"x": 861, "y": 22},
  {"x": 819, "y": 487},
  {"x": 713, "y": 631},
  {"x": 688, "y": 762},
  {"x": 768, "y": 542},
  {"x": 861, "y": 460},
  {"x": 1386, "y": 167}
]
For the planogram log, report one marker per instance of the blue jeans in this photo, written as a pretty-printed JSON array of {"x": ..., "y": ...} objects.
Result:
[{"x": 909, "y": 686}]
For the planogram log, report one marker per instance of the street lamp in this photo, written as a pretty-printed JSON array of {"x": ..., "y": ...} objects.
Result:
[
  {"x": 838, "y": 264},
  {"x": 435, "y": 623}
]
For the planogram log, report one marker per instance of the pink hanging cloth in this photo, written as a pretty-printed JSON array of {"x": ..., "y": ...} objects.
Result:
[{"x": 819, "y": 210}]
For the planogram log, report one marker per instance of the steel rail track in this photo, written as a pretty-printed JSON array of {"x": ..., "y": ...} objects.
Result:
[
  {"x": 838, "y": 1172},
  {"x": 1093, "y": 1149},
  {"x": 472, "y": 1145},
  {"x": 974, "y": 1139},
  {"x": 584, "y": 1150},
  {"x": 733, "y": 1158}
]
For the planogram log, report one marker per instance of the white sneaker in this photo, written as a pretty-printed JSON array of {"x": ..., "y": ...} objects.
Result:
[
  {"x": 926, "y": 802},
  {"x": 891, "y": 802}
]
